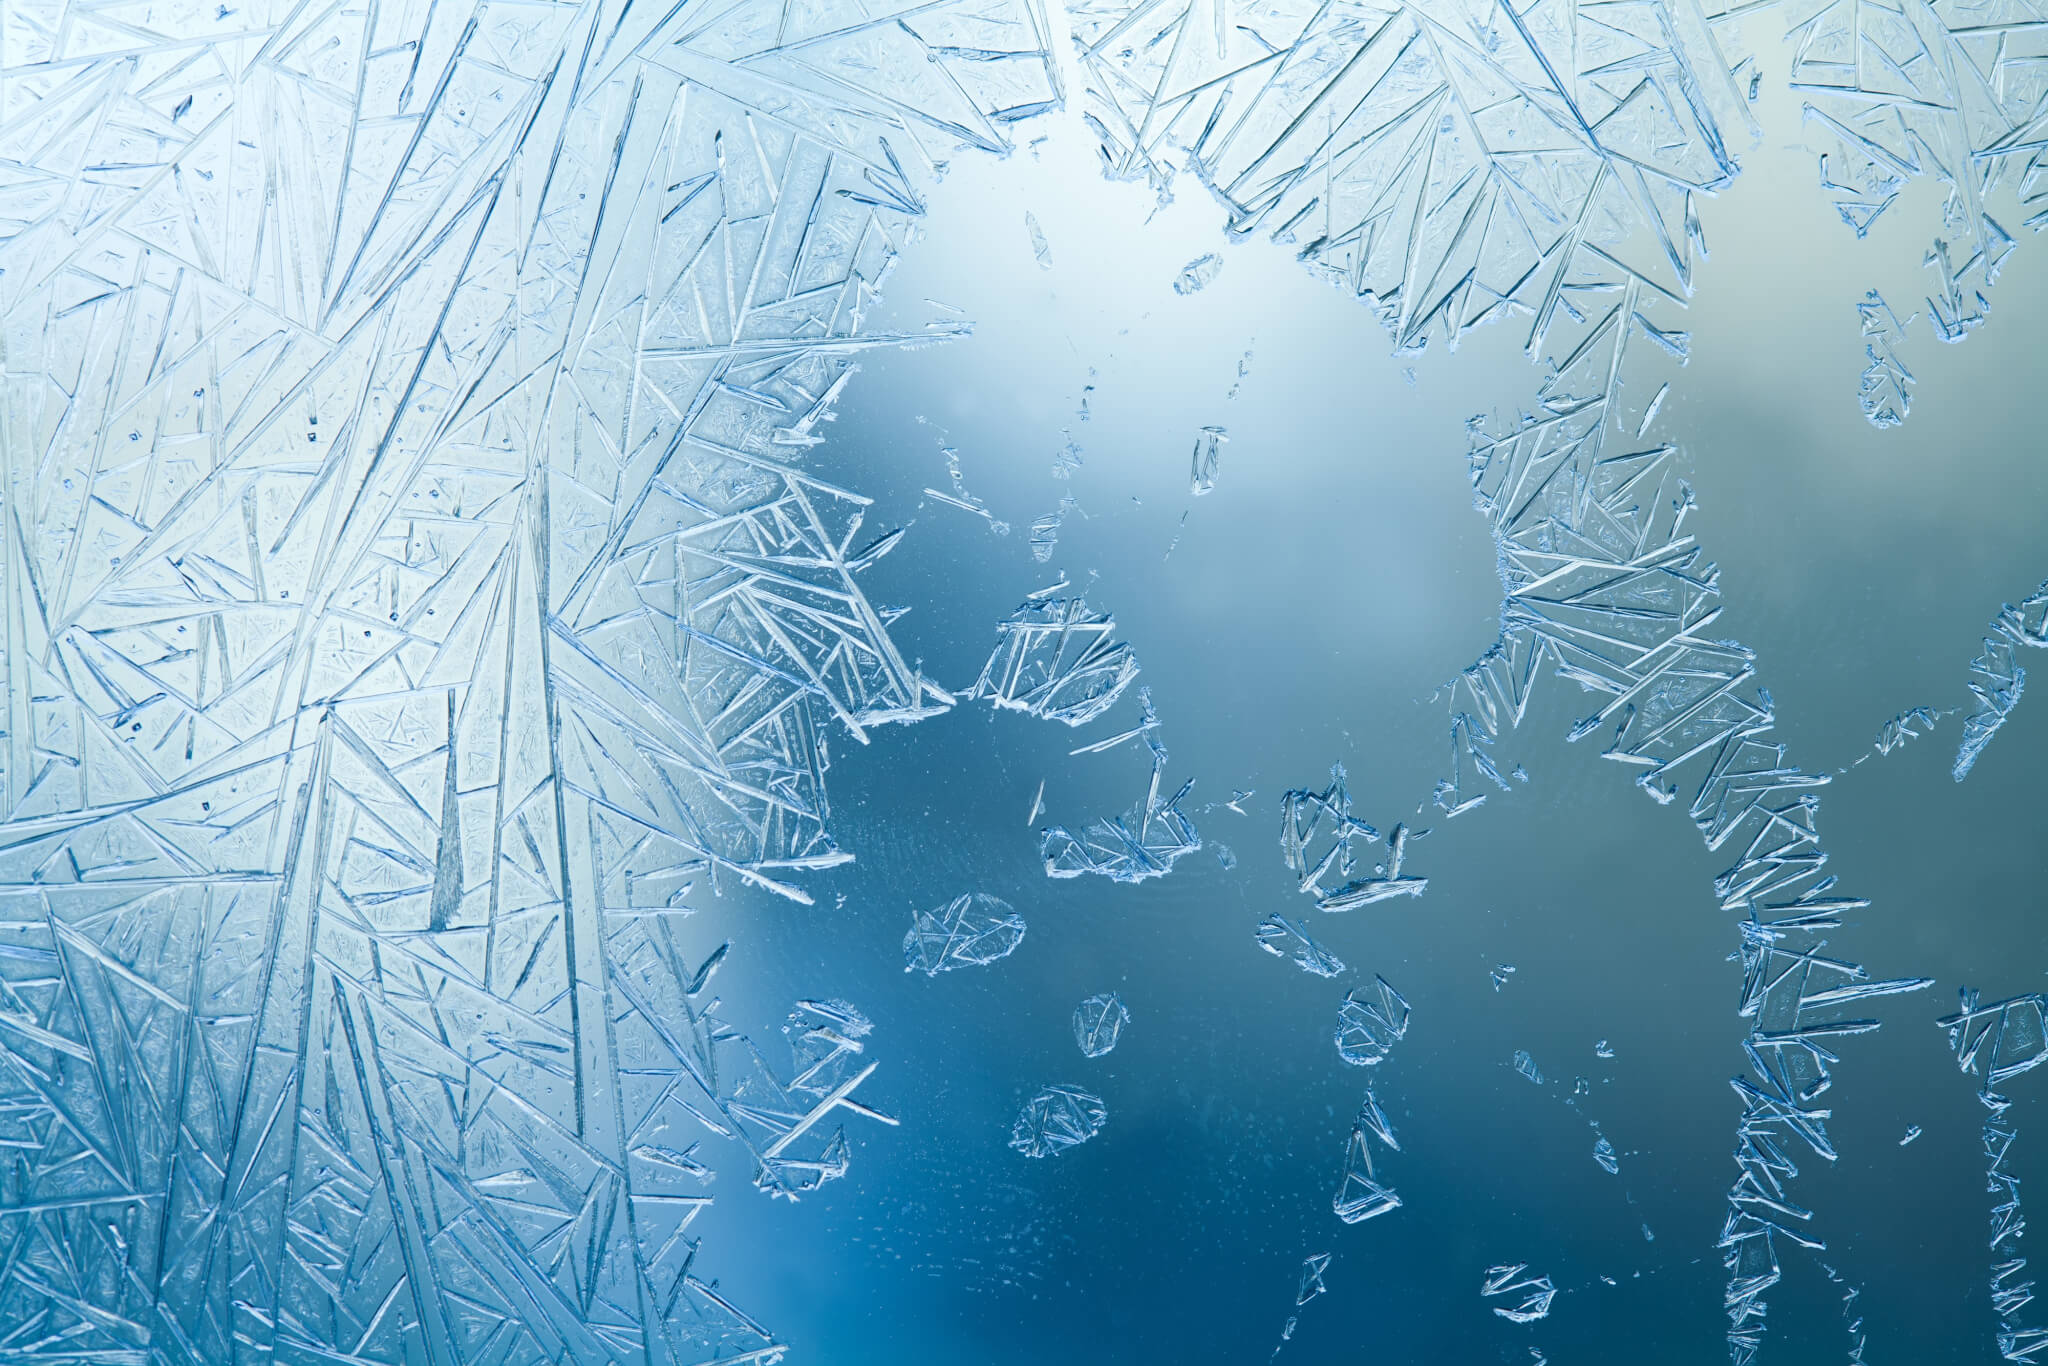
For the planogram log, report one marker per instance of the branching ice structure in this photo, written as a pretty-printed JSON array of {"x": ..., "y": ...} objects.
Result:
[
  {"x": 1531, "y": 1294},
  {"x": 2005, "y": 1039},
  {"x": 411, "y": 584},
  {"x": 1886, "y": 389},
  {"x": 2003, "y": 679},
  {"x": 1897, "y": 89}
]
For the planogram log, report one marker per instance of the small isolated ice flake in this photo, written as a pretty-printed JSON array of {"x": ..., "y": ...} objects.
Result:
[
  {"x": 1312, "y": 1269},
  {"x": 1532, "y": 1294},
  {"x": 1067, "y": 458},
  {"x": 1648, "y": 1236},
  {"x": 1202, "y": 466},
  {"x": 1197, "y": 273},
  {"x": 1283, "y": 938},
  {"x": 1370, "y": 1022},
  {"x": 1039, "y": 246},
  {"x": 1603, "y": 1153},
  {"x": 1099, "y": 1022},
  {"x": 1526, "y": 1065},
  {"x": 1359, "y": 1195},
  {"x": 1912, "y": 1133},
  {"x": 1886, "y": 390},
  {"x": 1056, "y": 1119},
  {"x": 1500, "y": 975},
  {"x": 970, "y": 930},
  {"x": 1603, "y": 1049},
  {"x": 2003, "y": 680},
  {"x": 1226, "y": 856}
]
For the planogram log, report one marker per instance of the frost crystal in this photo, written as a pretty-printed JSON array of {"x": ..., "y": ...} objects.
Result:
[
  {"x": 1360, "y": 1196},
  {"x": 1284, "y": 938},
  {"x": 1886, "y": 393},
  {"x": 1057, "y": 661},
  {"x": 1309, "y": 820},
  {"x": 1999, "y": 679},
  {"x": 2004, "y": 1040},
  {"x": 1370, "y": 1023},
  {"x": 1312, "y": 1269},
  {"x": 1203, "y": 464},
  {"x": 969, "y": 931},
  {"x": 1056, "y": 1119},
  {"x": 1099, "y": 1022},
  {"x": 1197, "y": 273},
  {"x": 1532, "y": 1293}
]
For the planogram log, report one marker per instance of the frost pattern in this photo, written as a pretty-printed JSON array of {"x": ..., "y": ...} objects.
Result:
[
  {"x": 1528, "y": 1296},
  {"x": 413, "y": 584},
  {"x": 2004, "y": 1039}
]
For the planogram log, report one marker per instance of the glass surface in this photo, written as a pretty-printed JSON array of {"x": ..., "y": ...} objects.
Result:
[{"x": 985, "y": 681}]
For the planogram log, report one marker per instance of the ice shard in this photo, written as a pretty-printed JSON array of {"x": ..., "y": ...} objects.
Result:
[{"x": 2001, "y": 1041}]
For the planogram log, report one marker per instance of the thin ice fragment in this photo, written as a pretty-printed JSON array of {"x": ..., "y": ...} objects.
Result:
[
  {"x": 1912, "y": 1132},
  {"x": 1208, "y": 455},
  {"x": 1198, "y": 273},
  {"x": 1312, "y": 1269},
  {"x": 1526, "y": 1065},
  {"x": 1099, "y": 1022},
  {"x": 1603, "y": 1153},
  {"x": 1603, "y": 1049},
  {"x": 2004, "y": 1040},
  {"x": 1039, "y": 246},
  {"x": 971, "y": 930},
  {"x": 1500, "y": 974},
  {"x": 1886, "y": 391},
  {"x": 1370, "y": 1022},
  {"x": 1284, "y": 938},
  {"x": 1359, "y": 1195},
  {"x": 2002, "y": 678},
  {"x": 1531, "y": 1295},
  {"x": 1056, "y": 1119}
]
